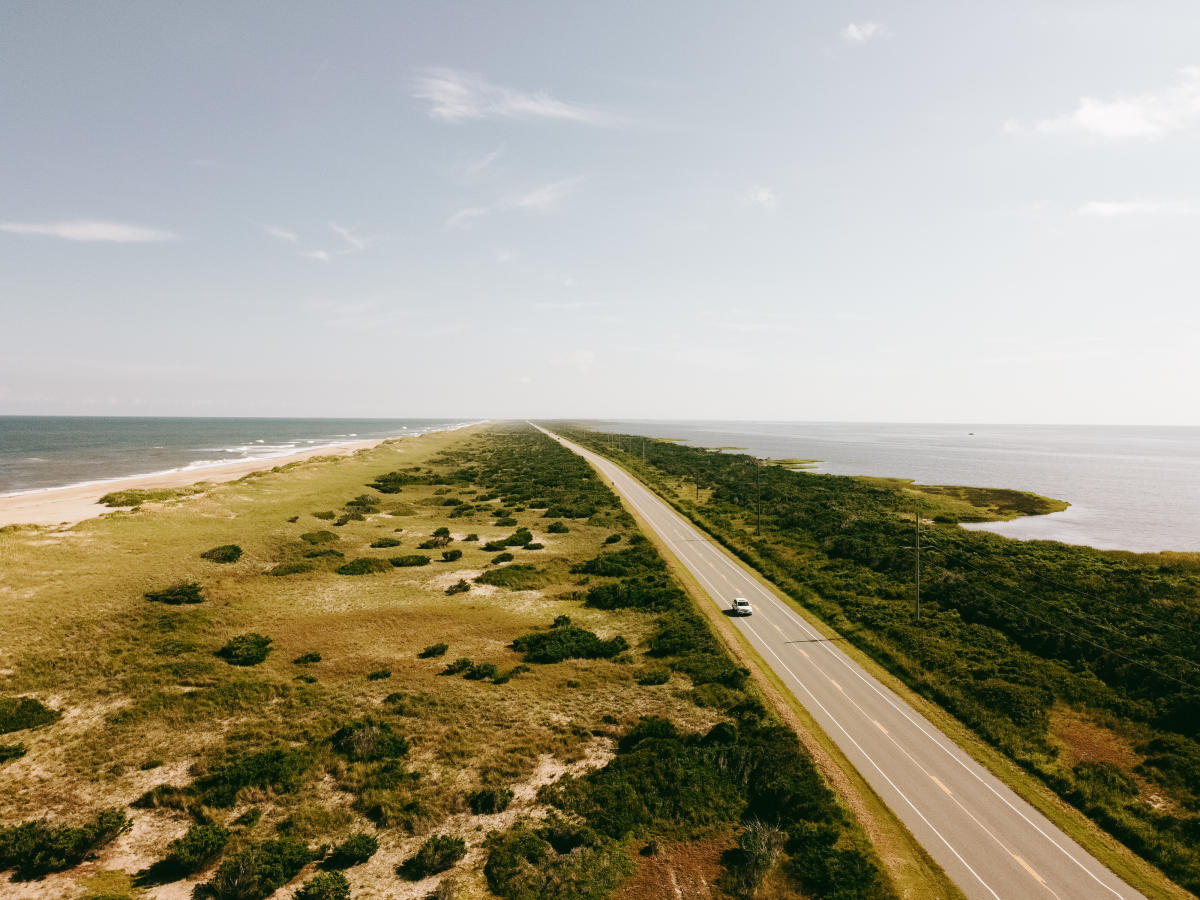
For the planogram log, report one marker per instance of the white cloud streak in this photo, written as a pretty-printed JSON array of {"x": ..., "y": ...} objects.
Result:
[
  {"x": 544, "y": 199},
  {"x": 90, "y": 230},
  {"x": 457, "y": 96},
  {"x": 761, "y": 197},
  {"x": 281, "y": 233},
  {"x": 1149, "y": 116},
  {"x": 1113, "y": 209},
  {"x": 861, "y": 32}
]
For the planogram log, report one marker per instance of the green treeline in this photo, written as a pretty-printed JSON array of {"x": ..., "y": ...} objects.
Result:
[{"x": 1011, "y": 632}]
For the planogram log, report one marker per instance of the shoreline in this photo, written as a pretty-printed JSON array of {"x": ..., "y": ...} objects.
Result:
[{"x": 73, "y": 503}]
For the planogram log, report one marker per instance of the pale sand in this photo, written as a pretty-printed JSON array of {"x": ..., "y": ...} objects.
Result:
[{"x": 74, "y": 503}]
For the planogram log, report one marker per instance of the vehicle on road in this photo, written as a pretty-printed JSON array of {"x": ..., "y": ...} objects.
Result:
[{"x": 741, "y": 607}]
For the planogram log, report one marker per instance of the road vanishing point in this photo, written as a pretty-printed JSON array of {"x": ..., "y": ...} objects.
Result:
[{"x": 989, "y": 841}]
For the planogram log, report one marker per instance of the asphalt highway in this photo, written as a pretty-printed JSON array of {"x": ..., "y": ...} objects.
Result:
[{"x": 989, "y": 841}]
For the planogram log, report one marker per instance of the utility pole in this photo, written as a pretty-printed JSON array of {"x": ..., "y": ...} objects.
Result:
[{"x": 917, "y": 519}]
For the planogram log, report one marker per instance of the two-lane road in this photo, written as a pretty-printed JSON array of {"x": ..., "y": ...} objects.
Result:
[{"x": 988, "y": 840}]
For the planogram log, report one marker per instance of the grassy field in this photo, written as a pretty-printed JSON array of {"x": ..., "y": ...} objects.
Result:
[{"x": 205, "y": 686}]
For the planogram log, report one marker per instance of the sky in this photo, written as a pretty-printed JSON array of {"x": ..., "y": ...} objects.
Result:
[{"x": 927, "y": 212}]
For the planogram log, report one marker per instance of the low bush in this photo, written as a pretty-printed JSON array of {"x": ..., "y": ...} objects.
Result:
[
  {"x": 380, "y": 543},
  {"x": 434, "y": 650},
  {"x": 38, "y": 848},
  {"x": 318, "y": 537},
  {"x": 480, "y": 672},
  {"x": 451, "y": 555},
  {"x": 459, "y": 665},
  {"x": 280, "y": 769},
  {"x": 493, "y": 546},
  {"x": 318, "y": 554},
  {"x": 556, "y": 862},
  {"x": 20, "y": 713},
  {"x": 654, "y": 676},
  {"x": 459, "y": 587},
  {"x": 177, "y": 594},
  {"x": 226, "y": 553},
  {"x": 506, "y": 522},
  {"x": 612, "y": 539},
  {"x": 515, "y": 577},
  {"x": 363, "y": 503},
  {"x": 506, "y": 677},
  {"x": 471, "y": 537},
  {"x": 347, "y": 518},
  {"x": 196, "y": 850},
  {"x": 257, "y": 871},
  {"x": 246, "y": 649},
  {"x": 379, "y": 675},
  {"x": 437, "y": 854},
  {"x": 489, "y": 800},
  {"x": 414, "y": 559},
  {"x": 138, "y": 496},
  {"x": 324, "y": 886},
  {"x": 502, "y": 558},
  {"x": 292, "y": 568},
  {"x": 567, "y": 642},
  {"x": 368, "y": 740},
  {"x": 557, "y": 528},
  {"x": 328, "y": 515},
  {"x": 364, "y": 565},
  {"x": 534, "y": 546},
  {"x": 9, "y": 752},
  {"x": 353, "y": 851},
  {"x": 304, "y": 659},
  {"x": 519, "y": 538}
]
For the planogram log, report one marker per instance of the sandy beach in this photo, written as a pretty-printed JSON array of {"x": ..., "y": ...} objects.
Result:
[{"x": 74, "y": 503}]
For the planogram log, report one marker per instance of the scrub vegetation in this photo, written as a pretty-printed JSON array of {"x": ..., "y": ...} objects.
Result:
[
  {"x": 239, "y": 735},
  {"x": 1081, "y": 665}
]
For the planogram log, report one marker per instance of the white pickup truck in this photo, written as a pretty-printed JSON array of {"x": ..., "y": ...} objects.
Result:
[{"x": 741, "y": 607}]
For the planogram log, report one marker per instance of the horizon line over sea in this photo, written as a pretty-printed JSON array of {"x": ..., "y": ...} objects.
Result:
[
  {"x": 45, "y": 453},
  {"x": 1131, "y": 487}
]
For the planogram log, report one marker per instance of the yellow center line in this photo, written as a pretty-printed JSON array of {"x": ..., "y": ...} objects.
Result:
[
  {"x": 802, "y": 650},
  {"x": 777, "y": 628},
  {"x": 880, "y": 727},
  {"x": 835, "y": 684},
  {"x": 1029, "y": 869},
  {"x": 947, "y": 790}
]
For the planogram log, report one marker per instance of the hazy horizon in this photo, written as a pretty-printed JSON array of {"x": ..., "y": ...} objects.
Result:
[{"x": 943, "y": 214}]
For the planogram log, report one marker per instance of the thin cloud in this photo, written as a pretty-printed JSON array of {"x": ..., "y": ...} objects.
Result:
[
  {"x": 761, "y": 197},
  {"x": 1112, "y": 209},
  {"x": 861, "y": 32},
  {"x": 319, "y": 255},
  {"x": 544, "y": 199},
  {"x": 457, "y": 96},
  {"x": 353, "y": 244},
  {"x": 1149, "y": 116},
  {"x": 90, "y": 230},
  {"x": 281, "y": 233},
  {"x": 477, "y": 167}
]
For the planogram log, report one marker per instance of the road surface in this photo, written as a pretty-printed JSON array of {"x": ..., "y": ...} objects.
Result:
[{"x": 989, "y": 841}]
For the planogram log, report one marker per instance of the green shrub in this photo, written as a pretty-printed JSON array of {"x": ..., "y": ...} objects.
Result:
[
  {"x": 368, "y": 741},
  {"x": 515, "y": 577},
  {"x": 557, "y": 528},
  {"x": 459, "y": 665},
  {"x": 612, "y": 539},
  {"x": 304, "y": 659},
  {"x": 380, "y": 543},
  {"x": 415, "y": 559},
  {"x": 318, "y": 537},
  {"x": 177, "y": 594},
  {"x": 257, "y": 871},
  {"x": 437, "y": 854},
  {"x": 38, "y": 848},
  {"x": 506, "y": 677},
  {"x": 328, "y": 515},
  {"x": 363, "y": 503},
  {"x": 138, "y": 496},
  {"x": 567, "y": 643},
  {"x": 292, "y": 568},
  {"x": 347, "y": 518},
  {"x": 9, "y": 752},
  {"x": 246, "y": 649},
  {"x": 493, "y": 546},
  {"x": 518, "y": 538},
  {"x": 556, "y": 862},
  {"x": 379, "y": 675},
  {"x": 434, "y": 650},
  {"x": 249, "y": 818},
  {"x": 18, "y": 714},
  {"x": 319, "y": 554},
  {"x": 364, "y": 565},
  {"x": 226, "y": 553},
  {"x": 196, "y": 850},
  {"x": 325, "y": 886},
  {"x": 353, "y": 851},
  {"x": 279, "y": 768},
  {"x": 502, "y": 558},
  {"x": 534, "y": 546},
  {"x": 489, "y": 800},
  {"x": 480, "y": 672},
  {"x": 655, "y": 676},
  {"x": 506, "y": 522},
  {"x": 451, "y": 555},
  {"x": 459, "y": 587},
  {"x": 471, "y": 537}
]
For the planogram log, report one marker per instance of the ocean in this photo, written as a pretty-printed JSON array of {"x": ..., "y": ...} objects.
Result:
[
  {"x": 1130, "y": 488},
  {"x": 40, "y": 452}
]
